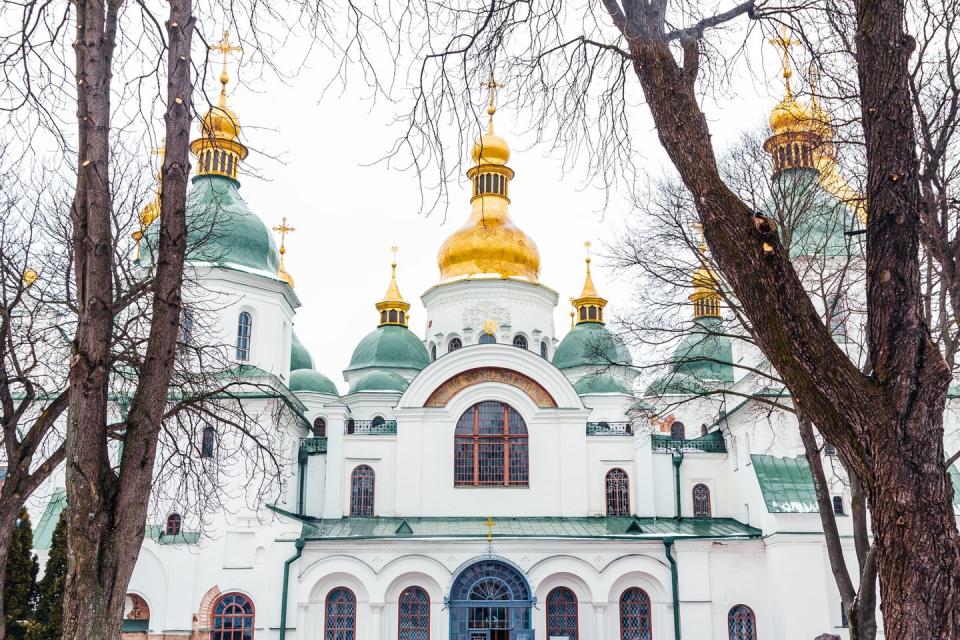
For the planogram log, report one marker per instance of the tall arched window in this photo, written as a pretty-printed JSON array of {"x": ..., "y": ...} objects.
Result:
[
  {"x": 701, "y": 501},
  {"x": 490, "y": 447},
  {"x": 232, "y": 618},
  {"x": 172, "y": 528},
  {"x": 520, "y": 342},
  {"x": 208, "y": 444},
  {"x": 741, "y": 623},
  {"x": 244, "y": 335},
  {"x": 488, "y": 338},
  {"x": 838, "y": 505},
  {"x": 562, "y": 613},
  {"x": 340, "y": 615},
  {"x": 618, "y": 493},
  {"x": 635, "y": 615},
  {"x": 433, "y": 352},
  {"x": 414, "y": 615},
  {"x": 320, "y": 427},
  {"x": 678, "y": 431},
  {"x": 361, "y": 491},
  {"x": 454, "y": 344},
  {"x": 543, "y": 349}
]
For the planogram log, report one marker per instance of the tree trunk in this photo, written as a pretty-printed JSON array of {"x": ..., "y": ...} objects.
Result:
[
  {"x": 108, "y": 510},
  {"x": 889, "y": 425},
  {"x": 8, "y": 520}
]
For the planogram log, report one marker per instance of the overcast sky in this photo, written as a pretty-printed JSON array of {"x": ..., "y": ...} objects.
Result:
[{"x": 348, "y": 211}]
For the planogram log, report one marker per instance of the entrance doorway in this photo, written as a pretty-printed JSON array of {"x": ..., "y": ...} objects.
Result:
[{"x": 490, "y": 600}]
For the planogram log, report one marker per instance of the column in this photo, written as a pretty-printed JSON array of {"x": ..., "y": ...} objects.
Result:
[
  {"x": 600, "y": 614},
  {"x": 376, "y": 620}
]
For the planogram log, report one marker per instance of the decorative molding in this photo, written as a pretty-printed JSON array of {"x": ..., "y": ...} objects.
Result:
[{"x": 454, "y": 385}]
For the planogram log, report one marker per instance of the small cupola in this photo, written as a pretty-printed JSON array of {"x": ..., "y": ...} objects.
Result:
[
  {"x": 588, "y": 307},
  {"x": 706, "y": 293},
  {"x": 394, "y": 310}
]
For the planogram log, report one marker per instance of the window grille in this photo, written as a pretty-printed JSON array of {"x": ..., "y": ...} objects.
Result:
[
  {"x": 362, "y": 491},
  {"x": 491, "y": 447},
  {"x": 562, "y": 615},
  {"x": 741, "y": 623},
  {"x": 618, "y": 493},
  {"x": 340, "y": 615},
  {"x": 635, "y": 615},
  {"x": 232, "y": 618},
  {"x": 701, "y": 501}
]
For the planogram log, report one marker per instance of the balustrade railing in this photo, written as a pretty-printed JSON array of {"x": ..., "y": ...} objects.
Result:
[
  {"x": 311, "y": 446},
  {"x": 609, "y": 429},
  {"x": 706, "y": 444},
  {"x": 371, "y": 427}
]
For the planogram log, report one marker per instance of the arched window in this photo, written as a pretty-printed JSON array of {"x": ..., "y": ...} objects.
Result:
[
  {"x": 838, "y": 505},
  {"x": 340, "y": 621},
  {"x": 488, "y": 338},
  {"x": 232, "y": 618},
  {"x": 678, "y": 431},
  {"x": 320, "y": 427},
  {"x": 186, "y": 325},
  {"x": 562, "y": 614},
  {"x": 351, "y": 425},
  {"x": 704, "y": 430},
  {"x": 701, "y": 501},
  {"x": 741, "y": 623},
  {"x": 209, "y": 442},
  {"x": 454, "y": 344},
  {"x": 433, "y": 352},
  {"x": 172, "y": 527},
  {"x": 361, "y": 491},
  {"x": 520, "y": 342},
  {"x": 618, "y": 493},
  {"x": 829, "y": 449},
  {"x": 244, "y": 335},
  {"x": 490, "y": 447},
  {"x": 378, "y": 421},
  {"x": 635, "y": 615},
  {"x": 414, "y": 616},
  {"x": 543, "y": 349}
]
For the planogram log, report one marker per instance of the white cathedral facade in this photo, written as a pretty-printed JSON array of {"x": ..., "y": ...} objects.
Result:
[{"x": 495, "y": 478}]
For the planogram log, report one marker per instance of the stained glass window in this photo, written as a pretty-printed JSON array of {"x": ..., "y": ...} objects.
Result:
[
  {"x": 232, "y": 618},
  {"x": 701, "y": 501},
  {"x": 340, "y": 615},
  {"x": 361, "y": 491},
  {"x": 635, "y": 615},
  {"x": 414, "y": 618},
  {"x": 618, "y": 493},
  {"x": 490, "y": 447},
  {"x": 741, "y": 623},
  {"x": 562, "y": 613}
]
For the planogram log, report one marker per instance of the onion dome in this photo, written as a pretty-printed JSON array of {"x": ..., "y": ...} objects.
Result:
[
  {"x": 703, "y": 360},
  {"x": 380, "y": 381},
  {"x": 602, "y": 383},
  {"x": 591, "y": 344},
  {"x": 489, "y": 244},
  {"x": 394, "y": 310},
  {"x": 299, "y": 356},
  {"x": 588, "y": 307},
  {"x": 308, "y": 380}
]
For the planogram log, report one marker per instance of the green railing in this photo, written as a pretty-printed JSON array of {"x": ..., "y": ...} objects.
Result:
[
  {"x": 371, "y": 427},
  {"x": 609, "y": 429},
  {"x": 710, "y": 443},
  {"x": 312, "y": 446}
]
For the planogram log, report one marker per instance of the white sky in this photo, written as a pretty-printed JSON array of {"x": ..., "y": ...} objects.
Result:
[{"x": 347, "y": 214}]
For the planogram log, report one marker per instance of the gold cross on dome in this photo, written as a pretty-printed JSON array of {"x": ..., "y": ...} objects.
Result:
[
  {"x": 492, "y": 85},
  {"x": 784, "y": 42},
  {"x": 489, "y": 524},
  {"x": 394, "y": 250},
  {"x": 283, "y": 229},
  {"x": 225, "y": 47}
]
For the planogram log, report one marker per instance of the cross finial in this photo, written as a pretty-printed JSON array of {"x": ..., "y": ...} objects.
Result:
[
  {"x": 784, "y": 41},
  {"x": 394, "y": 250},
  {"x": 225, "y": 48},
  {"x": 586, "y": 245},
  {"x": 283, "y": 229},
  {"x": 492, "y": 85},
  {"x": 489, "y": 524}
]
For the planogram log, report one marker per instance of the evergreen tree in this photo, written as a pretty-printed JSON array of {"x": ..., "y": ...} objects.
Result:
[
  {"x": 19, "y": 593},
  {"x": 48, "y": 618}
]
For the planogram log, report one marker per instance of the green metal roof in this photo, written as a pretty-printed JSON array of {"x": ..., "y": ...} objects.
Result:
[
  {"x": 601, "y": 383},
  {"x": 43, "y": 534},
  {"x": 221, "y": 228},
  {"x": 618, "y": 528},
  {"x": 590, "y": 344},
  {"x": 818, "y": 221},
  {"x": 380, "y": 381},
  {"x": 155, "y": 532},
  {"x": 310, "y": 380},
  {"x": 704, "y": 358},
  {"x": 786, "y": 484},
  {"x": 135, "y": 626},
  {"x": 299, "y": 356},
  {"x": 389, "y": 347}
]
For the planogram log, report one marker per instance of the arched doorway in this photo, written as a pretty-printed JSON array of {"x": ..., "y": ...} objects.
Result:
[{"x": 490, "y": 600}]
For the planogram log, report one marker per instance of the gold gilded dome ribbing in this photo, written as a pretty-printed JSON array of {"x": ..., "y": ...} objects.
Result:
[
  {"x": 393, "y": 308},
  {"x": 706, "y": 292},
  {"x": 489, "y": 243},
  {"x": 218, "y": 149},
  {"x": 589, "y": 306}
]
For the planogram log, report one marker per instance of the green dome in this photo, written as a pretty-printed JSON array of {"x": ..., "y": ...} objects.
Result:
[
  {"x": 703, "y": 358},
  {"x": 221, "y": 228},
  {"x": 299, "y": 356},
  {"x": 310, "y": 380},
  {"x": 602, "y": 383},
  {"x": 380, "y": 381},
  {"x": 814, "y": 221},
  {"x": 389, "y": 347},
  {"x": 590, "y": 344}
]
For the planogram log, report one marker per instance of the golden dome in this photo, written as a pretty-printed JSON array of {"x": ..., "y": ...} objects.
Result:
[
  {"x": 394, "y": 310},
  {"x": 791, "y": 116},
  {"x": 218, "y": 149},
  {"x": 489, "y": 243},
  {"x": 589, "y": 306},
  {"x": 706, "y": 292}
]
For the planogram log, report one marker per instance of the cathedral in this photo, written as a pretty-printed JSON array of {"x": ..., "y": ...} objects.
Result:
[{"x": 494, "y": 476}]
